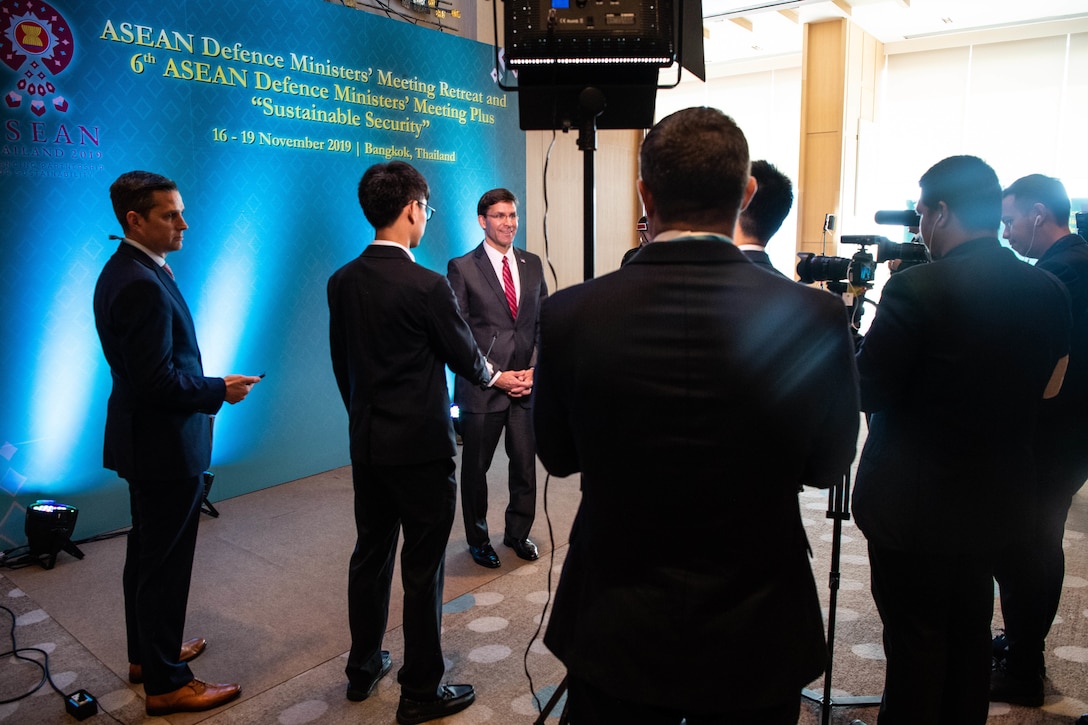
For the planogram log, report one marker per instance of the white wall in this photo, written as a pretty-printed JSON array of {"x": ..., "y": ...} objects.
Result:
[{"x": 1020, "y": 105}]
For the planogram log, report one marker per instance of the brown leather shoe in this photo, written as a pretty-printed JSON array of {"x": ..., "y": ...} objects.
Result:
[
  {"x": 194, "y": 697},
  {"x": 190, "y": 650}
]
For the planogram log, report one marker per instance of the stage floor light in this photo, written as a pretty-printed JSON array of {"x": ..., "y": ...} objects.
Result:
[{"x": 49, "y": 527}]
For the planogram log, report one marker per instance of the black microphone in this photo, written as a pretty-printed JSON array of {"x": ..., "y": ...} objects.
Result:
[
  {"x": 904, "y": 218},
  {"x": 117, "y": 238}
]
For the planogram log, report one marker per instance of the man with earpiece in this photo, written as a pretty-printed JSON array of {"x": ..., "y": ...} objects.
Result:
[
  {"x": 954, "y": 369},
  {"x": 1035, "y": 213}
]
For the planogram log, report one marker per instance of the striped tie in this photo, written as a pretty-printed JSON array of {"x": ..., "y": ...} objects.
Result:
[
  {"x": 168, "y": 270},
  {"x": 508, "y": 285}
]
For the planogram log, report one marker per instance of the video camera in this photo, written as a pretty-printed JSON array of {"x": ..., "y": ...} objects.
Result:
[
  {"x": 859, "y": 269},
  {"x": 851, "y": 277}
]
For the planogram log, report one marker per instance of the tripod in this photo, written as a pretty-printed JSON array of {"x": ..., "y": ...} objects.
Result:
[
  {"x": 838, "y": 509},
  {"x": 552, "y": 702}
]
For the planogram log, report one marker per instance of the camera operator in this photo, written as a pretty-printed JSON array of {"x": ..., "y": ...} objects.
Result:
[
  {"x": 1035, "y": 212},
  {"x": 953, "y": 371}
]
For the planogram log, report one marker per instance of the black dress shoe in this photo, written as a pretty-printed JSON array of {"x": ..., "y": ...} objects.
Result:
[
  {"x": 451, "y": 699},
  {"x": 485, "y": 556},
  {"x": 358, "y": 694},
  {"x": 525, "y": 549},
  {"x": 1025, "y": 689}
]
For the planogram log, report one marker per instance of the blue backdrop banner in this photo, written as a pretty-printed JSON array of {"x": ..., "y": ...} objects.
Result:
[{"x": 266, "y": 116}]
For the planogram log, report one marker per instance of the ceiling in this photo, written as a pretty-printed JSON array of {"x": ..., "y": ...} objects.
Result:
[{"x": 739, "y": 30}]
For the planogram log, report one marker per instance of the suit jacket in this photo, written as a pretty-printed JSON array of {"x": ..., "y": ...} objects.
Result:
[
  {"x": 1067, "y": 259},
  {"x": 393, "y": 327},
  {"x": 762, "y": 260},
  {"x": 512, "y": 343},
  {"x": 695, "y": 393},
  {"x": 953, "y": 370},
  {"x": 157, "y": 418}
]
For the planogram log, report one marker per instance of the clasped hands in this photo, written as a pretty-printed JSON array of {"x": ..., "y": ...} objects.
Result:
[{"x": 516, "y": 383}]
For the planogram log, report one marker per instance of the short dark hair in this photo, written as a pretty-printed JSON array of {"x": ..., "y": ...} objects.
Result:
[
  {"x": 386, "y": 189},
  {"x": 970, "y": 189},
  {"x": 493, "y": 197},
  {"x": 134, "y": 191},
  {"x": 1040, "y": 189},
  {"x": 771, "y": 204},
  {"x": 695, "y": 165}
]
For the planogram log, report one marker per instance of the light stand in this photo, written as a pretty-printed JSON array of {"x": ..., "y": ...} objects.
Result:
[
  {"x": 838, "y": 510},
  {"x": 592, "y": 103},
  {"x": 589, "y": 66}
]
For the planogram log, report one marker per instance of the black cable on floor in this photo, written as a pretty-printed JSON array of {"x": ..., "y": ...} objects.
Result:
[
  {"x": 16, "y": 653},
  {"x": 43, "y": 666},
  {"x": 540, "y": 624}
]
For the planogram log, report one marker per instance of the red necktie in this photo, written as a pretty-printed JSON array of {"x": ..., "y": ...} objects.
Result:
[
  {"x": 168, "y": 270},
  {"x": 508, "y": 285}
]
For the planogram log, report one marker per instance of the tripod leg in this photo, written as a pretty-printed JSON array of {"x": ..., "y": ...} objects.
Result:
[
  {"x": 560, "y": 689},
  {"x": 838, "y": 509}
]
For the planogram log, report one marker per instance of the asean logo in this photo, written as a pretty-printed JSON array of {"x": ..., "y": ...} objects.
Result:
[{"x": 36, "y": 42}]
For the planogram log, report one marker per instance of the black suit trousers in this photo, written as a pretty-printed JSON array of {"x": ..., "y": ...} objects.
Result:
[
  {"x": 422, "y": 500},
  {"x": 480, "y": 433},
  {"x": 936, "y": 611},
  {"x": 158, "y": 569},
  {"x": 1031, "y": 573}
]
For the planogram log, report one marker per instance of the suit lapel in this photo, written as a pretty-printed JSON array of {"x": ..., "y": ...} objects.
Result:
[
  {"x": 483, "y": 265},
  {"x": 164, "y": 278},
  {"x": 172, "y": 287},
  {"x": 527, "y": 305}
]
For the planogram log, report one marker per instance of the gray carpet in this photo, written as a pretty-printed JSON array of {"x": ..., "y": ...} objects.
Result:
[{"x": 269, "y": 593}]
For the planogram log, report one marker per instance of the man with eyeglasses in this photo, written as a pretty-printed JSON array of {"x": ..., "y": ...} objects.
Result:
[
  {"x": 499, "y": 289},
  {"x": 393, "y": 327}
]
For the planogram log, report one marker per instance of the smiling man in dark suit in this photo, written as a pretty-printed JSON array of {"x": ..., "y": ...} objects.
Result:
[
  {"x": 158, "y": 436},
  {"x": 659, "y": 382},
  {"x": 499, "y": 289},
  {"x": 393, "y": 327}
]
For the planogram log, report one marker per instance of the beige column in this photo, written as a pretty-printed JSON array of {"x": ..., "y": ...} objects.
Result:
[
  {"x": 840, "y": 68},
  {"x": 617, "y": 204}
]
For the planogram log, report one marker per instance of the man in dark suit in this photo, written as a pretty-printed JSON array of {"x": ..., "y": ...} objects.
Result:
[
  {"x": 158, "y": 436},
  {"x": 660, "y": 382},
  {"x": 393, "y": 327},
  {"x": 499, "y": 289},
  {"x": 1035, "y": 213},
  {"x": 764, "y": 215},
  {"x": 953, "y": 370}
]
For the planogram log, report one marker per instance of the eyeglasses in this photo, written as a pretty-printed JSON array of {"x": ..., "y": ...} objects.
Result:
[
  {"x": 428, "y": 210},
  {"x": 503, "y": 217}
]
